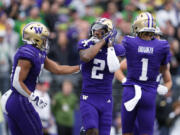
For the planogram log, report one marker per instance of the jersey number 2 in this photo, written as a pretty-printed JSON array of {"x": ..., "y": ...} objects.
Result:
[
  {"x": 143, "y": 76},
  {"x": 100, "y": 67}
]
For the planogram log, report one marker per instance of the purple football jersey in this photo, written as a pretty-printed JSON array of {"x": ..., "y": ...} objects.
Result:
[
  {"x": 95, "y": 73},
  {"x": 37, "y": 58},
  {"x": 144, "y": 59}
]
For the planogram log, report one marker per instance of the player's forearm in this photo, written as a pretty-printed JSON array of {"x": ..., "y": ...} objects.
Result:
[
  {"x": 21, "y": 88},
  {"x": 55, "y": 68},
  {"x": 24, "y": 87},
  {"x": 119, "y": 75},
  {"x": 167, "y": 80},
  {"x": 167, "y": 76},
  {"x": 90, "y": 53},
  {"x": 63, "y": 69},
  {"x": 168, "y": 84}
]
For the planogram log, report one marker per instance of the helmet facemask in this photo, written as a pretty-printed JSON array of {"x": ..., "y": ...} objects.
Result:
[
  {"x": 101, "y": 27},
  {"x": 99, "y": 30}
]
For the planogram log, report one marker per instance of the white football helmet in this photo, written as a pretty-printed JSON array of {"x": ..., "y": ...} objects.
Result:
[
  {"x": 36, "y": 33},
  {"x": 144, "y": 22}
]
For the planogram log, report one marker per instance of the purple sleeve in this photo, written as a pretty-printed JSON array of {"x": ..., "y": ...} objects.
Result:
[
  {"x": 124, "y": 42},
  {"x": 119, "y": 50},
  {"x": 82, "y": 45},
  {"x": 167, "y": 57},
  {"x": 27, "y": 53}
]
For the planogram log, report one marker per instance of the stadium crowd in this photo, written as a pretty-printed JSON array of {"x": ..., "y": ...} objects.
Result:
[{"x": 69, "y": 21}]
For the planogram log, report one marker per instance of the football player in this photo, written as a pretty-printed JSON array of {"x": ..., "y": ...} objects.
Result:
[
  {"x": 29, "y": 60},
  {"x": 120, "y": 75},
  {"x": 146, "y": 57},
  {"x": 99, "y": 60}
]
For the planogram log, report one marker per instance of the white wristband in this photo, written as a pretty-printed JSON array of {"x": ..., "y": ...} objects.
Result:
[{"x": 112, "y": 60}]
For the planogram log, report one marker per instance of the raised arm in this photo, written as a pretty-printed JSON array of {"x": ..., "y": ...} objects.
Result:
[
  {"x": 59, "y": 69},
  {"x": 88, "y": 54}
]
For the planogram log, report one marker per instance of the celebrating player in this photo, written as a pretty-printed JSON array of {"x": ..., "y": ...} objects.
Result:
[
  {"x": 99, "y": 61},
  {"x": 29, "y": 60},
  {"x": 145, "y": 56}
]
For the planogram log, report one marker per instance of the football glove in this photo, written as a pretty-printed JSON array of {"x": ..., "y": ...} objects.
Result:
[
  {"x": 162, "y": 90},
  {"x": 111, "y": 36},
  {"x": 38, "y": 101},
  {"x": 124, "y": 80}
]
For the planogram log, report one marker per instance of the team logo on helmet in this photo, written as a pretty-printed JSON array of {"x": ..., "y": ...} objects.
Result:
[{"x": 38, "y": 30}]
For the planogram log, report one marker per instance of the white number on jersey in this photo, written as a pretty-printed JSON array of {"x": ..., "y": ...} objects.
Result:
[
  {"x": 96, "y": 68},
  {"x": 143, "y": 76},
  {"x": 42, "y": 66}
]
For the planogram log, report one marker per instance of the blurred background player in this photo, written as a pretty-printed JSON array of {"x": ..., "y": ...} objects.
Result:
[
  {"x": 28, "y": 62},
  {"x": 5, "y": 57},
  {"x": 63, "y": 106},
  {"x": 146, "y": 57},
  {"x": 2, "y": 122},
  {"x": 99, "y": 61},
  {"x": 45, "y": 114}
]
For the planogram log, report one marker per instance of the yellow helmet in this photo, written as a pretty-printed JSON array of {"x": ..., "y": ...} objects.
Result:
[
  {"x": 37, "y": 34},
  {"x": 144, "y": 22},
  {"x": 102, "y": 23},
  {"x": 106, "y": 22}
]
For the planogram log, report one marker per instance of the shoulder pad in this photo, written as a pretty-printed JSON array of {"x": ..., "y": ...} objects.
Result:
[
  {"x": 120, "y": 50},
  {"x": 128, "y": 36},
  {"x": 27, "y": 52},
  {"x": 81, "y": 44},
  {"x": 84, "y": 44},
  {"x": 164, "y": 42}
]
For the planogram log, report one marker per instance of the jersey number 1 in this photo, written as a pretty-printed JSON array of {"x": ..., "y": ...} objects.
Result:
[{"x": 143, "y": 76}]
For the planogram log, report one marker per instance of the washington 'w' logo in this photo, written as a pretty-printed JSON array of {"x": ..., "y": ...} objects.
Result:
[{"x": 38, "y": 30}]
